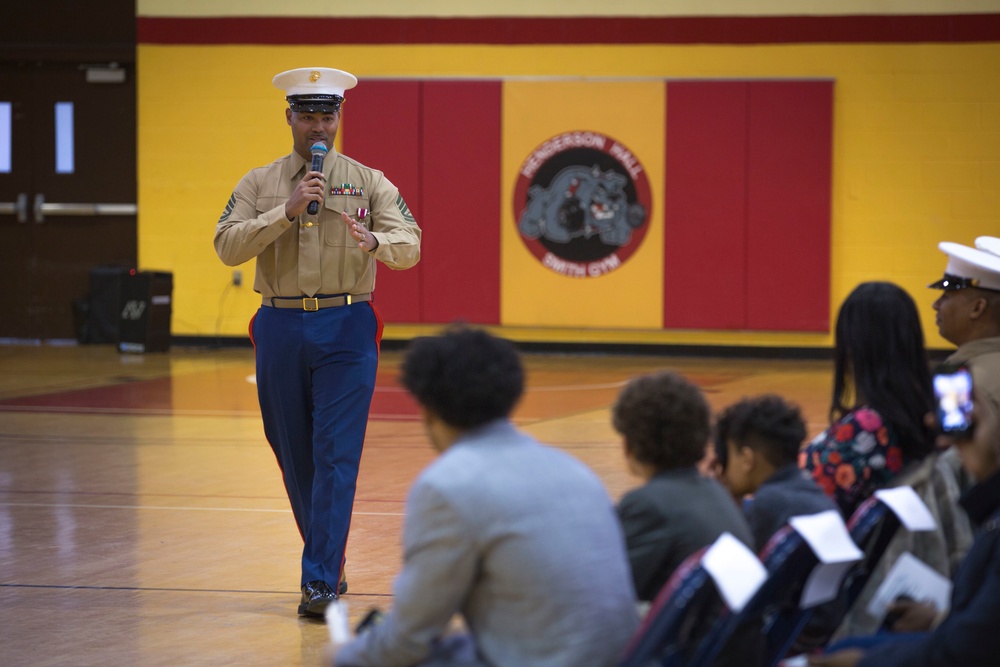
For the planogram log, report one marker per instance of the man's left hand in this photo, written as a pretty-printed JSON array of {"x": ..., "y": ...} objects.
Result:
[{"x": 366, "y": 240}]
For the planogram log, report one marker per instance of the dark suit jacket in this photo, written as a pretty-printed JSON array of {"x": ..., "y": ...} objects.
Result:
[
  {"x": 671, "y": 517},
  {"x": 786, "y": 493}
]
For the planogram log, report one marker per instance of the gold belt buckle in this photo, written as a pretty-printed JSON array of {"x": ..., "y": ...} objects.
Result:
[
  {"x": 347, "y": 300},
  {"x": 310, "y": 303}
]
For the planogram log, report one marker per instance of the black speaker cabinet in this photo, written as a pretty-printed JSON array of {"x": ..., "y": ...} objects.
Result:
[
  {"x": 144, "y": 322},
  {"x": 103, "y": 307}
]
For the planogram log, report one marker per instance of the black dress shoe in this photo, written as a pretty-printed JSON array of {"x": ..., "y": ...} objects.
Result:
[
  {"x": 316, "y": 596},
  {"x": 342, "y": 588}
]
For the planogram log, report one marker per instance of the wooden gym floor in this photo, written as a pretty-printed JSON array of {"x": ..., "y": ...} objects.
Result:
[{"x": 143, "y": 521}]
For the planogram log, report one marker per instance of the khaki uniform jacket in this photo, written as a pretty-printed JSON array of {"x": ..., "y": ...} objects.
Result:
[
  {"x": 983, "y": 359},
  {"x": 254, "y": 225}
]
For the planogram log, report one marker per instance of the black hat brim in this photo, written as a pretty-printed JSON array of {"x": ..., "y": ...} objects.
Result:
[{"x": 315, "y": 104}]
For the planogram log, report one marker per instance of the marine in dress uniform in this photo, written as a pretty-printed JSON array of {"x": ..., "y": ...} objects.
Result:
[
  {"x": 316, "y": 335},
  {"x": 968, "y": 312}
]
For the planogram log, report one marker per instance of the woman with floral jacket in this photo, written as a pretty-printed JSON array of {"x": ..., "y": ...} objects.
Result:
[
  {"x": 969, "y": 635},
  {"x": 881, "y": 391}
]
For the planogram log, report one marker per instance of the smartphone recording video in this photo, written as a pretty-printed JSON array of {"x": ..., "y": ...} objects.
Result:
[{"x": 953, "y": 390}]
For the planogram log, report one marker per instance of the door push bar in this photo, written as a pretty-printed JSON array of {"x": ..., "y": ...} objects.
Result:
[
  {"x": 42, "y": 208},
  {"x": 18, "y": 208}
]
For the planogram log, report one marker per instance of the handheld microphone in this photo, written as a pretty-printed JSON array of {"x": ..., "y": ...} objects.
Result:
[{"x": 319, "y": 151}]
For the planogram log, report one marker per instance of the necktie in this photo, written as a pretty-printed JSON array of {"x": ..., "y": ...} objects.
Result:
[{"x": 310, "y": 279}]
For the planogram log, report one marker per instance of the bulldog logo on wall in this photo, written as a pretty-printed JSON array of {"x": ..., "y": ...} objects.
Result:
[{"x": 584, "y": 204}]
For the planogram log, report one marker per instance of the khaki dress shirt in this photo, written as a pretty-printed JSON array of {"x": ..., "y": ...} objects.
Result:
[{"x": 315, "y": 254}]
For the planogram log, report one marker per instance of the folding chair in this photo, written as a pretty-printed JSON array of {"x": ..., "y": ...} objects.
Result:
[
  {"x": 679, "y": 609},
  {"x": 773, "y": 611},
  {"x": 789, "y": 560},
  {"x": 872, "y": 527}
]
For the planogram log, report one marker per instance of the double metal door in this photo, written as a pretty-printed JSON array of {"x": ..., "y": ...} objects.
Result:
[{"x": 67, "y": 189}]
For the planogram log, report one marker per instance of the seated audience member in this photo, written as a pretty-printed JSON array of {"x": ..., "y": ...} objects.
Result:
[
  {"x": 968, "y": 311},
  {"x": 968, "y": 315},
  {"x": 943, "y": 548},
  {"x": 969, "y": 636},
  {"x": 881, "y": 394},
  {"x": 758, "y": 441},
  {"x": 881, "y": 391},
  {"x": 664, "y": 420},
  {"x": 518, "y": 539}
]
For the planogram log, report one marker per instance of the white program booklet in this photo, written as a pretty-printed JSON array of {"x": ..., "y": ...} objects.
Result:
[
  {"x": 336, "y": 622},
  {"x": 828, "y": 538},
  {"x": 908, "y": 506},
  {"x": 911, "y": 577},
  {"x": 735, "y": 569}
]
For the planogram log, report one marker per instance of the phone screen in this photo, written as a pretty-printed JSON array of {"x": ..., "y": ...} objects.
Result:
[{"x": 953, "y": 390}]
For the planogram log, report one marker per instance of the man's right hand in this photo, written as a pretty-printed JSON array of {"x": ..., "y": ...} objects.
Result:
[{"x": 310, "y": 189}]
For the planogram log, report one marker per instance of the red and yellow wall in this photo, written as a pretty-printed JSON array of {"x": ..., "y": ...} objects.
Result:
[{"x": 450, "y": 107}]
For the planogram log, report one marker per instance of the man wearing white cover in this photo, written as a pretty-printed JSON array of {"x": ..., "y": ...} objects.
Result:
[
  {"x": 968, "y": 312},
  {"x": 317, "y": 223}
]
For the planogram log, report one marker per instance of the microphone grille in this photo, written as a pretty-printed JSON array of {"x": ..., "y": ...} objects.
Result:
[{"x": 319, "y": 148}]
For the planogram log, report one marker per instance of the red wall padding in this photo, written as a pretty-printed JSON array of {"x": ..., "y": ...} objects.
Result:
[
  {"x": 704, "y": 208},
  {"x": 381, "y": 129},
  {"x": 746, "y": 208},
  {"x": 789, "y": 175},
  {"x": 460, "y": 195},
  {"x": 439, "y": 142},
  {"x": 747, "y": 205}
]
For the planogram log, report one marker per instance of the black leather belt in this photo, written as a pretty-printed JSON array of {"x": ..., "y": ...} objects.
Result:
[{"x": 315, "y": 302}]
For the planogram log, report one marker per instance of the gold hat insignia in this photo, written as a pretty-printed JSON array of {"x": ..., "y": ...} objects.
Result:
[{"x": 314, "y": 76}]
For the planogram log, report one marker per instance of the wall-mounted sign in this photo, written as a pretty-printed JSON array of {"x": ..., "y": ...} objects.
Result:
[{"x": 582, "y": 203}]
